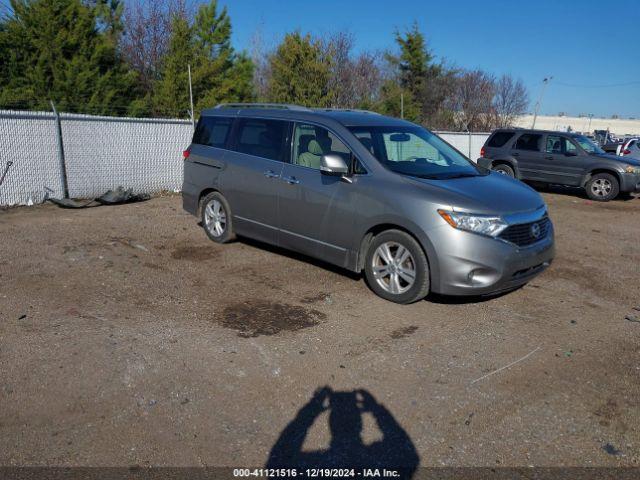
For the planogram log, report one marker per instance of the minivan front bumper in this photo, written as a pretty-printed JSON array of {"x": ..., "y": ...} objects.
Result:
[{"x": 471, "y": 264}]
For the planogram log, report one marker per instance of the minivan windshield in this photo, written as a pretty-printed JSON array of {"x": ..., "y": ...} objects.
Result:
[
  {"x": 415, "y": 151},
  {"x": 587, "y": 145}
]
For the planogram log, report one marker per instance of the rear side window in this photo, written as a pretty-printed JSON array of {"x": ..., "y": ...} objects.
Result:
[
  {"x": 262, "y": 138},
  {"x": 212, "y": 131},
  {"x": 499, "y": 139},
  {"x": 529, "y": 141}
]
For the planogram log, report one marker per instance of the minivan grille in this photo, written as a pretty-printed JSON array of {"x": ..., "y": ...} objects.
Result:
[{"x": 523, "y": 234}]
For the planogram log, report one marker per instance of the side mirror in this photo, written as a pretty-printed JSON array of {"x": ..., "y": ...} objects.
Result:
[{"x": 333, "y": 165}]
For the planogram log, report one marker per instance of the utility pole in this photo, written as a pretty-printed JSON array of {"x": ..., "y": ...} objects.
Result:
[
  {"x": 193, "y": 120},
  {"x": 589, "y": 127},
  {"x": 544, "y": 86},
  {"x": 402, "y": 105}
]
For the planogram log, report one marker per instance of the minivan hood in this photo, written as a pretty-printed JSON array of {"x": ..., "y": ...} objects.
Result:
[{"x": 492, "y": 194}]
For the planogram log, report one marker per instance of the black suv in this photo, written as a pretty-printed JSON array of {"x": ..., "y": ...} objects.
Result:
[{"x": 560, "y": 158}]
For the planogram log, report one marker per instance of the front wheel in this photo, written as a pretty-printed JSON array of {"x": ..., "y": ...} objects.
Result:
[
  {"x": 602, "y": 187},
  {"x": 216, "y": 218},
  {"x": 396, "y": 267}
]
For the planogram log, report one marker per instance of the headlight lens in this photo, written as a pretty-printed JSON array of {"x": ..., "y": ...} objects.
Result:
[
  {"x": 482, "y": 224},
  {"x": 632, "y": 169}
]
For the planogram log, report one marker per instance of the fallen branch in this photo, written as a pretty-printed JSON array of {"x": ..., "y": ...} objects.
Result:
[{"x": 506, "y": 366}]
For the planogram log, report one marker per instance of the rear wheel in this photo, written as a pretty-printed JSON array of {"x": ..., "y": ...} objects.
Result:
[
  {"x": 504, "y": 169},
  {"x": 396, "y": 267},
  {"x": 216, "y": 218},
  {"x": 602, "y": 187}
]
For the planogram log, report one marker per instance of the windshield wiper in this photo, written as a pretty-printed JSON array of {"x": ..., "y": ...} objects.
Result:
[
  {"x": 460, "y": 175},
  {"x": 426, "y": 176}
]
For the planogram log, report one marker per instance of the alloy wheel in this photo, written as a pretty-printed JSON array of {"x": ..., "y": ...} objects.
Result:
[
  {"x": 215, "y": 218},
  {"x": 394, "y": 268},
  {"x": 601, "y": 187}
]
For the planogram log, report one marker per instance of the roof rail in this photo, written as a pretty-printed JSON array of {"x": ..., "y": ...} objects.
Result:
[
  {"x": 358, "y": 110},
  {"x": 283, "y": 106}
]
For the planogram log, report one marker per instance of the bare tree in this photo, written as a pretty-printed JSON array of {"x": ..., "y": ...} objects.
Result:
[
  {"x": 510, "y": 100},
  {"x": 147, "y": 28},
  {"x": 472, "y": 101},
  {"x": 366, "y": 79},
  {"x": 338, "y": 53},
  {"x": 260, "y": 56}
]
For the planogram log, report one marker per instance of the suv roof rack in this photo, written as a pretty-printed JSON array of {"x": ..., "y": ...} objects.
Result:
[
  {"x": 358, "y": 110},
  {"x": 283, "y": 106}
]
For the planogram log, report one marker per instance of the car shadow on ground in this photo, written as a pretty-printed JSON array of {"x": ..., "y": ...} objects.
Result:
[
  {"x": 300, "y": 257},
  {"x": 432, "y": 297},
  {"x": 346, "y": 449},
  {"x": 461, "y": 300}
]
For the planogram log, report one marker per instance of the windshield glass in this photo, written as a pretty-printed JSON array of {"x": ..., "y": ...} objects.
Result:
[
  {"x": 415, "y": 151},
  {"x": 587, "y": 145}
]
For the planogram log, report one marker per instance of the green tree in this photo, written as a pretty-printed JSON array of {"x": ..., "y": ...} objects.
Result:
[
  {"x": 219, "y": 74},
  {"x": 171, "y": 91},
  {"x": 53, "y": 50},
  {"x": 413, "y": 61},
  {"x": 300, "y": 72}
]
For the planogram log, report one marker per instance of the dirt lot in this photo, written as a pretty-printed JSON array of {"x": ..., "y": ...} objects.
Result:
[{"x": 128, "y": 338}]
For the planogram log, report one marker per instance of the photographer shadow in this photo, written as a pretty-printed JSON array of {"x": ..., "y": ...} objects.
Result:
[{"x": 346, "y": 449}]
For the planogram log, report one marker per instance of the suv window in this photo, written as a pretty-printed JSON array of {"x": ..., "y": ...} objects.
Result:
[
  {"x": 311, "y": 142},
  {"x": 499, "y": 139},
  {"x": 212, "y": 131},
  {"x": 262, "y": 138},
  {"x": 529, "y": 141},
  {"x": 557, "y": 144}
]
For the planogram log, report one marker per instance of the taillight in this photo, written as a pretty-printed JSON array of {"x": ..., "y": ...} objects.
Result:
[
  {"x": 482, "y": 152},
  {"x": 626, "y": 151},
  {"x": 185, "y": 154}
]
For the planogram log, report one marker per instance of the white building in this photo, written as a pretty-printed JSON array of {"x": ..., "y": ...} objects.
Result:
[{"x": 617, "y": 126}]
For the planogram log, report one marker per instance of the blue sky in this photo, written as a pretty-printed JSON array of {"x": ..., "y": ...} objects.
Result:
[{"x": 588, "y": 46}]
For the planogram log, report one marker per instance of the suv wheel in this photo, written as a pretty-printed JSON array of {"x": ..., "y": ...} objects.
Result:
[
  {"x": 216, "y": 218},
  {"x": 396, "y": 267},
  {"x": 504, "y": 170},
  {"x": 602, "y": 187}
]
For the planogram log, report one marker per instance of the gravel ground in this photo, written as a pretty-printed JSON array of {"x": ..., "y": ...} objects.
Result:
[{"x": 128, "y": 338}]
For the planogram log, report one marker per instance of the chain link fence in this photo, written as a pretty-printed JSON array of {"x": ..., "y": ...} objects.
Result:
[{"x": 101, "y": 153}]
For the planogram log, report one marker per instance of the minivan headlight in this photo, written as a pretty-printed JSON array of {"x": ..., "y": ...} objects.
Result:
[{"x": 482, "y": 224}]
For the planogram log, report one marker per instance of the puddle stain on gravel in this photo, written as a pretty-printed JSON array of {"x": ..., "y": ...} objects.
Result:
[
  {"x": 191, "y": 253},
  {"x": 403, "y": 332},
  {"x": 320, "y": 297},
  {"x": 256, "y": 318}
]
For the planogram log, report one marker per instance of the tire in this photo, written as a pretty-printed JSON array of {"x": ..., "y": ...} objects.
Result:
[
  {"x": 602, "y": 187},
  {"x": 217, "y": 221},
  {"x": 394, "y": 283},
  {"x": 504, "y": 169}
]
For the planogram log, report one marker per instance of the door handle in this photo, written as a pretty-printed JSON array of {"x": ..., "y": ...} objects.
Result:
[
  {"x": 291, "y": 180},
  {"x": 271, "y": 174}
]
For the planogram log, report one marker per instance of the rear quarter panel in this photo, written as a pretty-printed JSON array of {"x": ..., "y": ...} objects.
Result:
[{"x": 202, "y": 171}]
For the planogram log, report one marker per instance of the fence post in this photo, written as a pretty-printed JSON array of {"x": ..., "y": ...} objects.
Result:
[{"x": 63, "y": 165}]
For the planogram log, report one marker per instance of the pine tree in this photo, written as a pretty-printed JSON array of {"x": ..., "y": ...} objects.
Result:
[
  {"x": 300, "y": 72},
  {"x": 218, "y": 73},
  {"x": 53, "y": 50},
  {"x": 171, "y": 92}
]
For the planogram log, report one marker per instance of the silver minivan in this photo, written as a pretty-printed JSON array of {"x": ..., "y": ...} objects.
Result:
[{"x": 368, "y": 193}]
